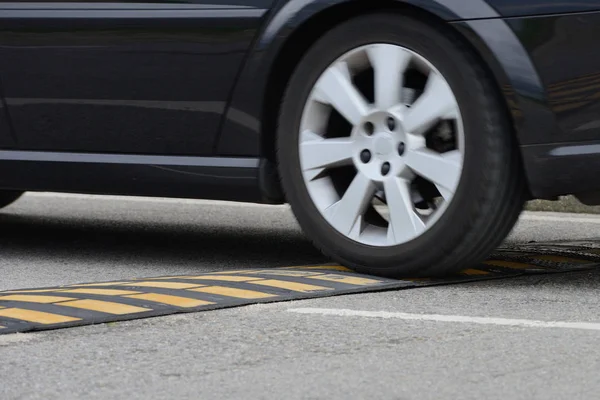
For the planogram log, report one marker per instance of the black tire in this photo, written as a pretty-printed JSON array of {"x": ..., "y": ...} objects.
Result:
[
  {"x": 491, "y": 192},
  {"x": 9, "y": 197}
]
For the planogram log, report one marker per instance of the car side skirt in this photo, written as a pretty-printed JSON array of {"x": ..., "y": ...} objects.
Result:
[{"x": 215, "y": 178}]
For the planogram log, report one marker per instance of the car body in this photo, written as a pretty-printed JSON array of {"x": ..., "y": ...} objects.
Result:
[{"x": 180, "y": 99}]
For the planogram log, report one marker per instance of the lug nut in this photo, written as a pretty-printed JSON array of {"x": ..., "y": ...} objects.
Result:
[
  {"x": 369, "y": 128},
  {"x": 401, "y": 148},
  {"x": 365, "y": 156},
  {"x": 391, "y": 123},
  {"x": 385, "y": 168}
]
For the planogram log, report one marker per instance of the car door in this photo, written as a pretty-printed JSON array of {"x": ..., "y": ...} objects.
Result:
[
  {"x": 122, "y": 76},
  {"x": 7, "y": 136}
]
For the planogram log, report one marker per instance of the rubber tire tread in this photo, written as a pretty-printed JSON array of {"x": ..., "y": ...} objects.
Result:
[{"x": 498, "y": 200}]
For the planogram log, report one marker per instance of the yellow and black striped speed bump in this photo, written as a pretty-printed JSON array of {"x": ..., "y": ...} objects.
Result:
[{"x": 84, "y": 304}]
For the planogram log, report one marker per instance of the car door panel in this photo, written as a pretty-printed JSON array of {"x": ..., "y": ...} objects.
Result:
[
  {"x": 122, "y": 77},
  {"x": 7, "y": 136}
]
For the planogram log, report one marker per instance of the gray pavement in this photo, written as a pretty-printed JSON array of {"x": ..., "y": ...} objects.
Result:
[{"x": 266, "y": 351}]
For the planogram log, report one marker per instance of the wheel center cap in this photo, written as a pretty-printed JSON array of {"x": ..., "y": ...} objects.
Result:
[{"x": 383, "y": 145}]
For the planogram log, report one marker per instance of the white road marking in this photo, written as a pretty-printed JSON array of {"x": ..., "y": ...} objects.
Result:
[
  {"x": 526, "y": 323},
  {"x": 560, "y": 218}
]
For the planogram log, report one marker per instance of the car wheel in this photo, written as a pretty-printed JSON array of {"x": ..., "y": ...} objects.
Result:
[
  {"x": 8, "y": 197},
  {"x": 394, "y": 150}
]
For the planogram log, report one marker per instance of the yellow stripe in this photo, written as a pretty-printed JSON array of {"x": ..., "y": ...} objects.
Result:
[
  {"x": 108, "y": 307},
  {"x": 36, "y": 316},
  {"x": 239, "y": 271},
  {"x": 164, "y": 277},
  {"x": 224, "y": 278},
  {"x": 474, "y": 272},
  {"x": 170, "y": 300},
  {"x": 233, "y": 292},
  {"x": 105, "y": 292},
  {"x": 562, "y": 259},
  {"x": 99, "y": 284},
  {"x": 327, "y": 267},
  {"x": 165, "y": 285},
  {"x": 509, "y": 264},
  {"x": 350, "y": 280},
  {"x": 35, "y": 299},
  {"x": 294, "y": 286},
  {"x": 182, "y": 277},
  {"x": 288, "y": 273},
  {"x": 2, "y": 327}
]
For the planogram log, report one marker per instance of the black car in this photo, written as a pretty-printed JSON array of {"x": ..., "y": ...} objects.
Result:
[{"x": 406, "y": 135}]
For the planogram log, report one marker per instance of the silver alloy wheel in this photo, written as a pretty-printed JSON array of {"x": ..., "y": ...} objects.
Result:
[{"x": 387, "y": 177}]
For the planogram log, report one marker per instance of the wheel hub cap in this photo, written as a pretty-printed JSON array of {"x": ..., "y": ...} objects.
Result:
[
  {"x": 380, "y": 144},
  {"x": 365, "y": 181},
  {"x": 383, "y": 146}
]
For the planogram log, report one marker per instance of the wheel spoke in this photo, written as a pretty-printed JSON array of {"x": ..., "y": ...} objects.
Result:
[
  {"x": 389, "y": 63},
  {"x": 405, "y": 224},
  {"x": 347, "y": 212},
  {"x": 318, "y": 153},
  {"x": 443, "y": 170},
  {"x": 357, "y": 228},
  {"x": 336, "y": 88},
  {"x": 437, "y": 102}
]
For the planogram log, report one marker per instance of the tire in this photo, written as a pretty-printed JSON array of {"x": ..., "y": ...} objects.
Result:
[
  {"x": 484, "y": 204},
  {"x": 9, "y": 197}
]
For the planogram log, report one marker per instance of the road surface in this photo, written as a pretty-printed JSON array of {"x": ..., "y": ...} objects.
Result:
[{"x": 493, "y": 339}]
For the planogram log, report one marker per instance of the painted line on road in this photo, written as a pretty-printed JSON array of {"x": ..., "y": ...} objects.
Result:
[
  {"x": 560, "y": 218},
  {"x": 34, "y": 309},
  {"x": 526, "y": 323},
  {"x": 37, "y": 317}
]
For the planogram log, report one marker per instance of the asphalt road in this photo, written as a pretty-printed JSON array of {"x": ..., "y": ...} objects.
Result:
[{"x": 429, "y": 344}]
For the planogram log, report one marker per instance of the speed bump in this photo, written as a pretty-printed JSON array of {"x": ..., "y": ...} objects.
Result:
[{"x": 92, "y": 303}]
